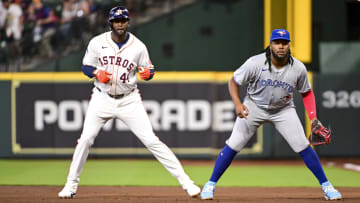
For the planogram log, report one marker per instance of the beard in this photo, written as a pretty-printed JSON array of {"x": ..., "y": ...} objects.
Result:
[
  {"x": 119, "y": 33},
  {"x": 280, "y": 58}
]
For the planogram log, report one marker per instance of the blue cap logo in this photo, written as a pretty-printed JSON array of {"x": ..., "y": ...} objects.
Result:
[{"x": 280, "y": 34}]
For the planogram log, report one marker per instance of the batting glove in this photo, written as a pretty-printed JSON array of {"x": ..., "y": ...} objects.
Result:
[
  {"x": 102, "y": 75},
  {"x": 146, "y": 73}
]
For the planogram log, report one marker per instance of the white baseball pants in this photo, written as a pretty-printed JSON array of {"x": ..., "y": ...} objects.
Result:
[{"x": 131, "y": 111}]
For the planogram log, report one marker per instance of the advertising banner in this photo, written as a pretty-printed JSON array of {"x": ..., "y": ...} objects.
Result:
[
  {"x": 189, "y": 117},
  {"x": 338, "y": 103}
]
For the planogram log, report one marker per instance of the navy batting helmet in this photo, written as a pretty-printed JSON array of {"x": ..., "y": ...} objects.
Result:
[{"x": 118, "y": 12}]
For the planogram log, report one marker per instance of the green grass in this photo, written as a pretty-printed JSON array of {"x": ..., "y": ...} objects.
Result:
[{"x": 152, "y": 173}]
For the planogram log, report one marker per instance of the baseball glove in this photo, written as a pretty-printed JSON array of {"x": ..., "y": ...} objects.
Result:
[{"x": 319, "y": 134}]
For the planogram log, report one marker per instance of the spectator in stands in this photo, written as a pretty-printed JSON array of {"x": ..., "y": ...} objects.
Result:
[
  {"x": 67, "y": 13},
  {"x": 45, "y": 26},
  {"x": 14, "y": 27},
  {"x": 74, "y": 22},
  {"x": 3, "y": 48},
  {"x": 81, "y": 9},
  {"x": 92, "y": 17},
  {"x": 14, "y": 19},
  {"x": 3, "y": 14},
  {"x": 67, "y": 16}
]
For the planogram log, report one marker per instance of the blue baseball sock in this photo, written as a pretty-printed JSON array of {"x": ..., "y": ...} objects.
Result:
[
  {"x": 312, "y": 161},
  {"x": 223, "y": 161}
]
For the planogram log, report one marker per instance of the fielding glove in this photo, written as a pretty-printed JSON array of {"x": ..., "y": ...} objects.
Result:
[
  {"x": 146, "y": 73},
  {"x": 102, "y": 75},
  {"x": 319, "y": 134}
]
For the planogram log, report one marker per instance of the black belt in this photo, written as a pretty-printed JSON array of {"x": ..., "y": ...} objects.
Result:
[{"x": 119, "y": 96}]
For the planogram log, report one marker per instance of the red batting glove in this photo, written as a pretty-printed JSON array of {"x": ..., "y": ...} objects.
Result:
[
  {"x": 102, "y": 75},
  {"x": 146, "y": 73}
]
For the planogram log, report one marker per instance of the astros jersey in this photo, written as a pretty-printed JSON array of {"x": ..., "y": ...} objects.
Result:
[
  {"x": 103, "y": 53},
  {"x": 275, "y": 89}
]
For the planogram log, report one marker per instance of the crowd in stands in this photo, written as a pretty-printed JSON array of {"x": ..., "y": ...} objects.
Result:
[
  {"x": 29, "y": 28},
  {"x": 35, "y": 31}
]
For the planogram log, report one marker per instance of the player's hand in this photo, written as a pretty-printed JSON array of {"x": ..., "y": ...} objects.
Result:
[
  {"x": 242, "y": 111},
  {"x": 102, "y": 75},
  {"x": 146, "y": 73}
]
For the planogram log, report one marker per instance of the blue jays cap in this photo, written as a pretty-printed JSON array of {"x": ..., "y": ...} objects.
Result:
[{"x": 280, "y": 34}]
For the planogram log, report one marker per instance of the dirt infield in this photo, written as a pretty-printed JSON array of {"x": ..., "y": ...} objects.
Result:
[
  {"x": 45, "y": 194},
  {"x": 169, "y": 194}
]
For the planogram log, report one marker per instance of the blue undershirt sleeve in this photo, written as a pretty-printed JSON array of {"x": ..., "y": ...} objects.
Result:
[{"x": 88, "y": 70}]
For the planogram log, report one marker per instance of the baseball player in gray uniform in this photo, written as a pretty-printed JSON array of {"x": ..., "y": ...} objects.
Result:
[
  {"x": 271, "y": 77},
  {"x": 112, "y": 59}
]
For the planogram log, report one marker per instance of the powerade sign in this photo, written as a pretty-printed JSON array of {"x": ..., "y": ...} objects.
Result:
[
  {"x": 184, "y": 116},
  {"x": 192, "y": 115}
]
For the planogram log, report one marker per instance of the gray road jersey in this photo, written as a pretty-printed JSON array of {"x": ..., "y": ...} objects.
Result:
[{"x": 275, "y": 89}]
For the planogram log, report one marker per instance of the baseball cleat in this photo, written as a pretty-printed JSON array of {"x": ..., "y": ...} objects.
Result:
[
  {"x": 192, "y": 190},
  {"x": 69, "y": 191},
  {"x": 64, "y": 195},
  {"x": 208, "y": 190},
  {"x": 330, "y": 192}
]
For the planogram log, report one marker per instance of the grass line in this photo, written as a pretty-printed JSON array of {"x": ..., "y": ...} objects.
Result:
[{"x": 152, "y": 173}]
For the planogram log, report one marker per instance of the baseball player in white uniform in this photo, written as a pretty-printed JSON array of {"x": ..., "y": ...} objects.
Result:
[
  {"x": 271, "y": 77},
  {"x": 112, "y": 59}
]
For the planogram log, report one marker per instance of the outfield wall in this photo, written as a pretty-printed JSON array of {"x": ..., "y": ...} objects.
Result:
[{"x": 42, "y": 116}]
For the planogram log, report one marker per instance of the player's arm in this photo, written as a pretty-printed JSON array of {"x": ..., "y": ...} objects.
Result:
[
  {"x": 242, "y": 76},
  {"x": 100, "y": 75},
  {"x": 319, "y": 134},
  {"x": 146, "y": 68},
  {"x": 90, "y": 62},
  {"x": 88, "y": 70},
  {"x": 309, "y": 103},
  {"x": 304, "y": 88},
  {"x": 240, "y": 108}
]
